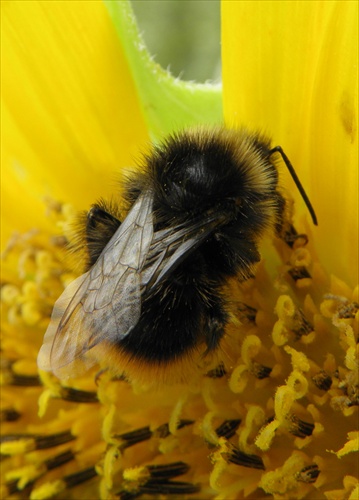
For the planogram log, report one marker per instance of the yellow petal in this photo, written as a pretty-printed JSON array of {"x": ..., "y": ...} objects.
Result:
[
  {"x": 71, "y": 116},
  {"x": 290, "y": 69}
]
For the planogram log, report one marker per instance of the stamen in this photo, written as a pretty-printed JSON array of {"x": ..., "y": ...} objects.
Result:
[
  {"x": 217, "y": 372},
  {"x": 322, "y": 380},
  {"x": 25, "y": 380},
  {"x": 79, "y": 477},
  {"x": 10, "y": 488},
  {"x": 43, "y": 442},
  {"x": 293, "y": 239},
  {"x": 169, "y": 488},
  {"x": 78, "y": 396},
  {"x": 299, "y": 428},
  {"x": 292, "y": 318},
  {"x": 144, "y": 433},
  {"x": 54, "y": 488},
  {"x": 24, "y": 478},
  {"x": 228, "y": 428},
  {"x": 127, "y": 495},
  {"x": 131, "y": 438},
  {"x": 348, "y": 311},
  {"x": 237, "y": 457},
  {"x": 168, "y": 471},
  {"x": 308, "y": 474},
  {"x": 350, "y": 387},
  {"x": 299, "y": 273},
  {"x": 58, "y": 460},
  {"x": 163, "y": 430},
  {"x": 20, "y": 443},
  {"x": 300, "y": 257},
  {"x": 9, "y": 415},
  {"x": 10, "y": 377},
  {"x": 260, "y": 371},
  {"x": 48, "y": 490},
  {"x": 344, "y": 308},
  {"x": 13, "y": 487},
  {"x": 41, "y": 275},
  {"x": 137, "y": 482}
]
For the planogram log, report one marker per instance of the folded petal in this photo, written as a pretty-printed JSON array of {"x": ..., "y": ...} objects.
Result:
[{"x": 168, "y": 103}]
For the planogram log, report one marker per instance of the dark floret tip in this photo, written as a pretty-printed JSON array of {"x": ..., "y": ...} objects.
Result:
[
  {"x": 348, "y": 311},
  {"x": 163, "y": 430},
  {"x": 128, "y": 439},
  {"x": 323, "y": 381},
  {"x": 78, "y": 396},
  {"x": 58, "y": 460},
  {"x": 299, "y": 428},
  {"x": 308, "y": 474},
  {"x": 169, "y": 488},
  {"x": 299, "y": 272},
  {"x": 217, "y": 372},
  {"x": 24, "y": 380},
  {"x": 9, "y": 415},
  {"x": 40, "y": 442},
  {"x": 260, "y": 371},
  {"x": 237, "y": 457},
  {"x": 228, "y": 428},
  {"x": 79, "y": 477},
  {"x": 167, "y": 471}
]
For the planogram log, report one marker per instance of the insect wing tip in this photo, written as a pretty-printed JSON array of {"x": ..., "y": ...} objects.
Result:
[{"x": 43, "y": 357}]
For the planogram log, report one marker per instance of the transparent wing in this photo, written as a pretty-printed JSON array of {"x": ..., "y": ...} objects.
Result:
[{"x": 105, "y": 302}]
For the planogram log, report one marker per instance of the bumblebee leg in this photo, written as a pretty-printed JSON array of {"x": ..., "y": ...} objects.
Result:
[
  {"x": 101, "y": 225},
  {"x": 216, "y": 321}
]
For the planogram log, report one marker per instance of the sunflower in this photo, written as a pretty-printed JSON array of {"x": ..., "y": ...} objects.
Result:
[{"x": 81, "y": 97}]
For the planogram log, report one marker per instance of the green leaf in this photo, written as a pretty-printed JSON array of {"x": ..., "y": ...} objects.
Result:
[{"x": 168, "y": 103}]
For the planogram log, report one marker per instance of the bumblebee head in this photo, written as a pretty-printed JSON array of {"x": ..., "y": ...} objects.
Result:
[{"x": 225, "y": 169}]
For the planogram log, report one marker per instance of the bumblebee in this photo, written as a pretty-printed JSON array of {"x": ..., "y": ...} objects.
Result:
[{"x": 152, "y": 296}]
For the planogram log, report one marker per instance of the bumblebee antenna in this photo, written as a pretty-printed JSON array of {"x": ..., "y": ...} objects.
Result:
[{"x": 278, "y": 149}]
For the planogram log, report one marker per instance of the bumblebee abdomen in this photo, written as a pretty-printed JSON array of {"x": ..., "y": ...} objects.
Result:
[
  {"x": 169, "y": 327},
  {"x": 177, "y": 316}
]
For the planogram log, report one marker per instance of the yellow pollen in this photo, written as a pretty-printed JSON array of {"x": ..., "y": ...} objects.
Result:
[
  {"x": 288, "y": 379},
  {"x": 10, "y": 294},
  {"x": 48, "y": 490}
]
